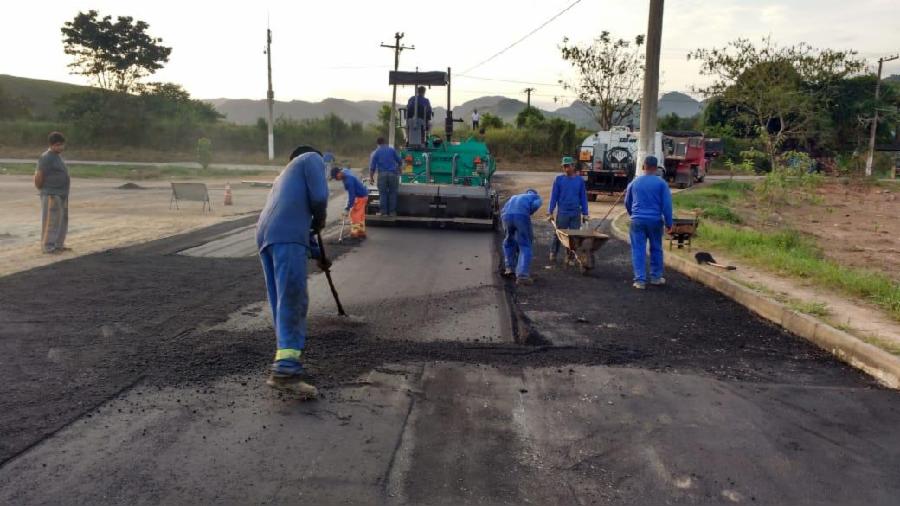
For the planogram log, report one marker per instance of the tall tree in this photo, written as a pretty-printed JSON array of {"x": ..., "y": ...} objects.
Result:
[
  {"x": 608, "y": 80},
  {"x": 785, "y": 92},
  {"x": 116, "y": 55}
]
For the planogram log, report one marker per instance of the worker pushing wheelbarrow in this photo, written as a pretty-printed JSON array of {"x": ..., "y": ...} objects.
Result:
[{"x": 580, "y": 245}]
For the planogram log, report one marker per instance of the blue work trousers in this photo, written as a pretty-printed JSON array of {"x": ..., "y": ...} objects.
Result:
[
  {"x": 388, "y": 186},
  {"x": 517, "y": 244},
  {"x": 643, "y": 231},
  {"x": 567, "y": 221},
  {"x": 284, "y": 265}
]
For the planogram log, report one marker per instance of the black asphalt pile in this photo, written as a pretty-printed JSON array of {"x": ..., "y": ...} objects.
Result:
[{"x": 681, "y": 327}]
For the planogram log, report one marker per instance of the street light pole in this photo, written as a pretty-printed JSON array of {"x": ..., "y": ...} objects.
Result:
[
  {"x": 651, "y": 82},
  {"x": 270, "y": 95},
  {"x": 392, "y": 129},
  {"x": 870, "y": 159}
]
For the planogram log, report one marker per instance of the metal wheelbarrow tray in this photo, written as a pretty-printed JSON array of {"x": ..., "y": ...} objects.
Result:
[
  {"x": 581, "y": 245},
  {"x": 683, "y": 230}
]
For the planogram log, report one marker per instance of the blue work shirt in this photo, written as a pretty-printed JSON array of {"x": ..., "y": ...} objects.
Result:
[
  {"x": 328, "y": 157},
  {"x": 524, "y": 204},
  {"x": 384, "y": 159},
  {"x": 569, "y": 194},
  {"x": 355, "y": 188},
  {"x": 424, "y": 105},
  {"x": 299, "y": 189},
  {"x": 648, "y": 198}
]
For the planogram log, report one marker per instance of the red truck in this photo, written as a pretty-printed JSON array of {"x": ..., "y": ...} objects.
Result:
[{"x": 687, "y": 156}]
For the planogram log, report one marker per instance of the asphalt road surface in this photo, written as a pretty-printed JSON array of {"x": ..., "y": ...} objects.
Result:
[{"x": 136, "y": 376}]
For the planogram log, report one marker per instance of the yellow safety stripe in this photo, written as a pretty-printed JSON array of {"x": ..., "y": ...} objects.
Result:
[{"x": 287, "y": 354}]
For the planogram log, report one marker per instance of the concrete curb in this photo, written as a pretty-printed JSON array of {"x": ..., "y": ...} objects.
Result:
[{"x": 874, "y": 361}]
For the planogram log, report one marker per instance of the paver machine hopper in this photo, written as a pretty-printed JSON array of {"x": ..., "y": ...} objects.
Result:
[{"x": 443, "y": 182}]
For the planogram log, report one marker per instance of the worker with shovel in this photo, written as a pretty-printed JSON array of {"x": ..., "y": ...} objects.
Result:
[
  {"x": 516, "y": 216},
  {"x": 357, "y": 198},
  {"x": 569, "y": 198},
  {"x": 649, "y": 203},
  {"x": 296, "y": 204}
]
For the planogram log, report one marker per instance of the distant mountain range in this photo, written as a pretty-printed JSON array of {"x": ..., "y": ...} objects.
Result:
[
  {"x": 43, "y": 96},
  {"x": 245, "y": 111}
]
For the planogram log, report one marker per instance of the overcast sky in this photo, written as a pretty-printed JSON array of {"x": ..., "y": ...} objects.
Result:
[{"x": 331, "y": 48}]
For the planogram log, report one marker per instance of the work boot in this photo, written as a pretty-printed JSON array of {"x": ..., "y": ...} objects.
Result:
[
  {"x": 640, "y": 285},
  {"x": 658, "y": 281},
  {"x": 525, "y": 280},
  {"x": 293, "y": 384},
  {"x": 508, "y": 273}
]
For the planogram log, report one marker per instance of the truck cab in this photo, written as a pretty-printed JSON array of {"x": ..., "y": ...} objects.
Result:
[{"x": 608, "y": 159}]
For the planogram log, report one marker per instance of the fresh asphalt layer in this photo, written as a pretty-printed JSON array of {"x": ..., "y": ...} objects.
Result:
[{"x": 136, "y": 376}]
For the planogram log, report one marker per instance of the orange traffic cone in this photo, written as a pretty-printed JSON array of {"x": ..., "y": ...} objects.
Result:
[{"x": 228, "y": 194}]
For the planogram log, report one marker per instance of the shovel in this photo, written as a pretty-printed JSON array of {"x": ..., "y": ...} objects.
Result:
[
  {"x": 341, "y": 235},
  {"x": 334, "y": 293},
  {"x": 703, "y": 257}
]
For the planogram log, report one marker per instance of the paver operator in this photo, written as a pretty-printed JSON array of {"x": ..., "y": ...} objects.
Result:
[
  {"x": 386, "y": 162},
  {"x": 649, "y": 203},
  {"x": 569, "y": 198},
  {"x": 357, "y": 198},
  {"x": 516, "y": 217},
  {"x": 296, "y": 206}
]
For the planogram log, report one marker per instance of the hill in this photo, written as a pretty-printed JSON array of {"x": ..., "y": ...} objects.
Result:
[{"x": 41, "y": 94}]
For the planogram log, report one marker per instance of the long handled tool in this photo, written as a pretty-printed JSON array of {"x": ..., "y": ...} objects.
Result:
[
  {"x": 337, "y": 300},
  {"x": 610, "y": 210},
  {"x": 341, "y": 235},
  {"x": 703, "y": 257}
]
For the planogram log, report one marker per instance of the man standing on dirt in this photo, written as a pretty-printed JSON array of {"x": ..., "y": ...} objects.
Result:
[
  {"x": 296, "y": 206},
  {"x": 570, "y": 195},
  {"x": 357, "y": 198},
  {"x": 516, "y": 217},
  {"x": 52, "y": 179},
  {"x": 386, "y": 161},
  {"x": 649, "y": 203}
]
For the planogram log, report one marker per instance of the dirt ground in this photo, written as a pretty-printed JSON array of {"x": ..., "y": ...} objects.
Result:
[
  {"x": 856, "y": 225},
  {"x": 103, "y": 216}
]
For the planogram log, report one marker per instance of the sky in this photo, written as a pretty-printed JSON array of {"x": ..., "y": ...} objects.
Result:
[{"x": 331, "y": 48}]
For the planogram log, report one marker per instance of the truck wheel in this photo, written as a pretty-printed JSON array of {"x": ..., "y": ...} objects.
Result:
[{"x": 592, "y": 197}]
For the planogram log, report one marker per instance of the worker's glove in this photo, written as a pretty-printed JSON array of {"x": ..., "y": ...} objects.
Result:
[
  {"x": 549, "y": 217},
  {"x": 585, "y": 218},
  {"x": 323, "y": 263}
]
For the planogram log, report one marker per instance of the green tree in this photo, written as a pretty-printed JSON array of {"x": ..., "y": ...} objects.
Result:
[
  {"x": 204, "y": 152},
  {"x": 782, "y": 91},
  {"x": 489, "y": 121},
  {"x": 14, "y": 107},
  {"x": 609, "y": 73},
  {"x": 529, "y": 117},
  {"x": 116, "y": 55}
]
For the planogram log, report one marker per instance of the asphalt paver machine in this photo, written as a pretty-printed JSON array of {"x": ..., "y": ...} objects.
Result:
[{"x": 443, "y": 182}]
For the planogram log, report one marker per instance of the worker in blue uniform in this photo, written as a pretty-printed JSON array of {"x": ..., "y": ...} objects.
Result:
[
  {"x": 386, "y": 162},
  {"x": 295, "y": 210},
  {"x": 419, "y": 114},
  {"x": 649, "y": 203},
  {"x": 357, "y": 198},
  {"x": 569, "y": 198},
  {"x": 516, "y": 217}
]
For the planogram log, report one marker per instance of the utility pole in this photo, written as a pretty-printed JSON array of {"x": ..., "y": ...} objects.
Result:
[
  {"x": 270, "y": 96},
  {"x": 870, "y": 159},
  {"x": 397, "y": 47},
  {"x": 528, "y": 91},
  {"x": 651, "y": 82}
]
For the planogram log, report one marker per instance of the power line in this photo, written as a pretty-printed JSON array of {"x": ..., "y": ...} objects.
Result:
[
  {"x": 529, "y": 34},
  {"x": 510, "y": 81}
]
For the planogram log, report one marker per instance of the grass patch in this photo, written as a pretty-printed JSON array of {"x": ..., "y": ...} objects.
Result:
[
  {"x": 810, "y": 307},
  {"x": 789, "y": 252},
  {"x": 885, "y": 344},
  {"x": 135, "y": 172},
  {"x": 714, "y": 201}
]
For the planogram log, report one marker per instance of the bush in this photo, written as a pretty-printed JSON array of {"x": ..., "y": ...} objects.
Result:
[{"x": 204, "y": 152}]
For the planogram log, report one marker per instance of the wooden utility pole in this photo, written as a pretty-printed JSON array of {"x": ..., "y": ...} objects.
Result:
[
  {"x": 270, "y": 96},
  {"x": 397, "y": 47},
  {"x": 870, "y": 159},
  {"x": 651, "y": 82},
  {"x": 528, "y": 92}
]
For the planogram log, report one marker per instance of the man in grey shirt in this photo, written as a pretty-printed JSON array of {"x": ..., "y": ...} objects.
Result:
[{"x": 52, "y": 179}]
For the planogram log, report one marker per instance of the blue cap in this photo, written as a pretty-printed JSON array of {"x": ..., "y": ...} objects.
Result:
[
  {"x": 334, "y": 172},
  {"x": 531, "y": 190},
  {"x": 651, "y": 161}
]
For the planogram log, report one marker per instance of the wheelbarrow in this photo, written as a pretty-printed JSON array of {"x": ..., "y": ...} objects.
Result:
[
  {"x": 683, "y": 230},
  {"x": 580, "y": 245}
]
